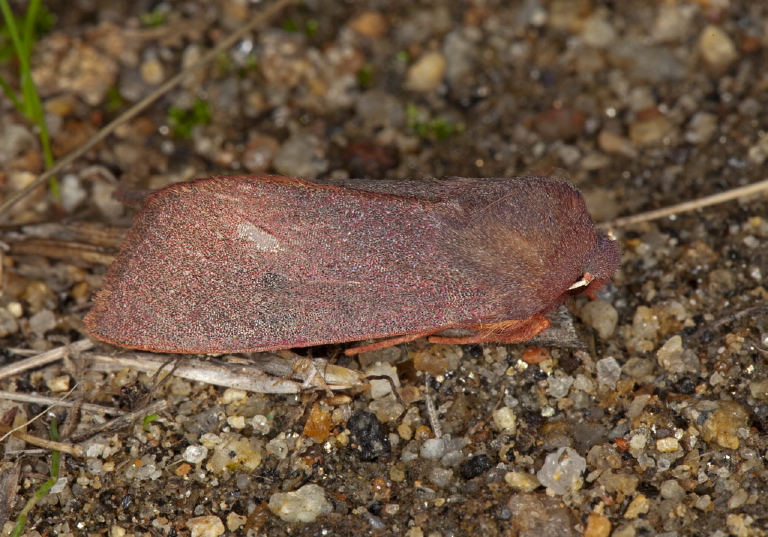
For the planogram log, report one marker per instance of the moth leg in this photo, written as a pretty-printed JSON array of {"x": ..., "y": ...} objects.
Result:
[
  {"x": 501, "y": 332},
  {"x": 390, "y": 342}
]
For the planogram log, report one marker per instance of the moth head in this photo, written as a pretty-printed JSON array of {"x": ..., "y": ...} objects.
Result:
[{"x": 600, "y": 265}]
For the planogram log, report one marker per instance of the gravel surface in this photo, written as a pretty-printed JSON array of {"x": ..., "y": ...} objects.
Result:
[{"x": 655, "y": 425}]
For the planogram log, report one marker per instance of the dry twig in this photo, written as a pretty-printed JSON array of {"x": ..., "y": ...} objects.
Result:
[{"x": 687, "y": 206}]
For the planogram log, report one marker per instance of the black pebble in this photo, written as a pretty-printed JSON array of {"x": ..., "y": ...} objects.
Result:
[
  {"x": 475, "y": 466},
  {"x": 369, "y": 435}
]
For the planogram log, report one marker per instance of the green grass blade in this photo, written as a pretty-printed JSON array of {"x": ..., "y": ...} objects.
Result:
[
  {"x": 28, "y": 34},
  {"x": 11, "y": 94},
  {"x": 43, "y": 490}
]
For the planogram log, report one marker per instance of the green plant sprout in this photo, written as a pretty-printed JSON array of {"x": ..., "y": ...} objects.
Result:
[
  {"x": 45, "y": 487},
  {"x": 402, "y": 56},
  {"x": 365, "y": 75},
  {"x": 153, "y": 19},
  {"x": 148, "y": 421},
  {"x": 23, "y": 32},
  {"x": 426, "y": 128},
  {"x": 114, "y": 100},
  {"x": 35, "y": 21},
  {"x": 182, "y": 120},
  {"x": 310, "y": 27}
]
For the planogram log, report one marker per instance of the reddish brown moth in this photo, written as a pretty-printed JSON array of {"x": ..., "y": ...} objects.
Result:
[{"x": 256, "y": 263}]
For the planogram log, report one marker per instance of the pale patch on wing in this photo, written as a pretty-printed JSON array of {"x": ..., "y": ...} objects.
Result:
[{"x": 259, "y": 238}]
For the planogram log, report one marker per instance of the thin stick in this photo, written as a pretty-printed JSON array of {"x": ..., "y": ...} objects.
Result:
[
  {"x": 52, "y": 355},
  {"x": 65, "y": 447},
  {"x": 139, "y": 107},
  {"x": 54, "y": 402},
  {"x": 687, "y": 206},
  {"x": 434, "y": 421},
  {"x": 12, "y": 430},
  {"x": 122, "y": 421}
]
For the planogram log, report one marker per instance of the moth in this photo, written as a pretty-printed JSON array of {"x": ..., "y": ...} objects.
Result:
[{"x": 256, "y": 263}]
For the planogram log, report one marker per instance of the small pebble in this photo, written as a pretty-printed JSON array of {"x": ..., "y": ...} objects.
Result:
[
  {"x": 15, "y": 309},
  {"x": 382, "y": 388},
  {"x": 15, "y": 140},
  {"x": 302, "y": 155},
  {"x": 597, "y": 526},
  {"x": 42, "y": 322},
  {"x": 560, "y": 123},
  {"x": 650, "y": 131},
  {"x": 195, "y": 454},
  {"x": 369, "y": 436},
  {"x": 461, "y": 52},
  {"x": 386, "y": 408},
  {"x": 738, "y": 499},
  {"x": 559, "y": 386},
  {"x": 427, "y": 73},
  {"x": 370, "y": 24},
  {"x": 613, "y": 144},
  {"x": 701, "y": 128},
  {"x": 396, "y": 474},
  {"x": 261, "y": 424},
  {"x": 235, "y": 521},
  {"x": 152, "y": 72},
  {"x": 647, "y": 63},
  {"x": 8, "y": 323},
  {"x": 433, "y": 448},
  {"x": 102, "y": 195},
  {"x": 72, "y": 192},
  {"x": 539, "y": 516},
  {"x": 318, "y": 425},
  {"x": 757, "y": 388},
  {"x": 505, "y": 419},
  {"x": 441, "y": 477},
  {"x": 671, "y": 490},
  {"x": 235, "y": 451},
  {"x": 522, "y": 481},
  {"x": 675, "y": 359},
  {"x": 601, "y": 316},
  {"x": 645, "y": 327},
  {"x": 598, "y": 32},
  {"x": 476, "y": 466},
  {"x": 667, "y": 445},
  {"x": 236, "y": 422},
  {"x": 703, "y": 503},
  {"x": 608, "y": 372},
  {"x": 716, "y": 48},
  {"x": 722, "y": 425},
  {"x": 259, "y": 153},
  {"x": 405, "y": 431},
  {"x": 303, "y": 505},
  {"x": 639, "y": 505},
  {"x": 737, "y": 525},
  {"x": 673, "y": 21},
  {"x": 59, "y": 383},
  {"x": 439, "y": 448},
  {"x": 232, "y": 395},
  {"x": 562, "y": 470},
  {"x": 595, "y": 161},
  {"x": 437, "y": 359},
  {"x": 205, "y": 526}
]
